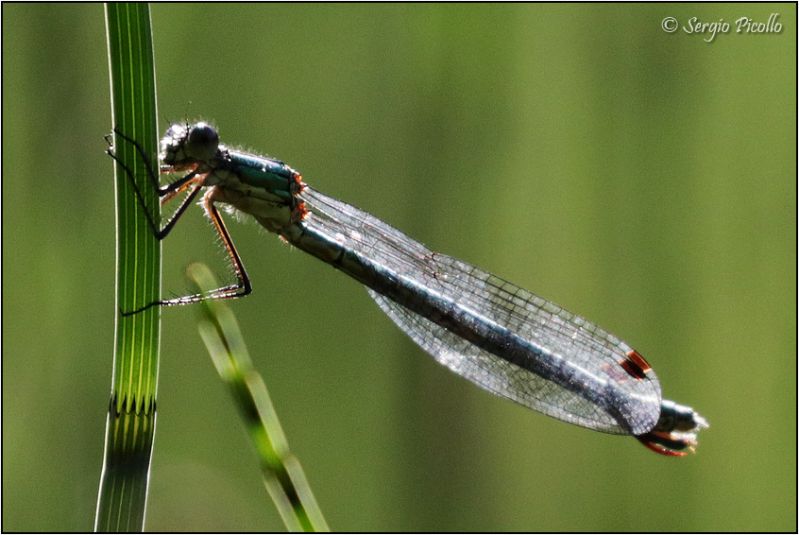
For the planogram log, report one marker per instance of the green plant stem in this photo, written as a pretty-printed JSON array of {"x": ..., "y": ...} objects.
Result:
[
  {"x": 130, "y": 424},
  {"x": 282, "y": 474}
]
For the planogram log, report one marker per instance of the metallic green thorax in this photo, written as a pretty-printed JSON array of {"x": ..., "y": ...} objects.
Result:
[{"x": 260, "y": 172}]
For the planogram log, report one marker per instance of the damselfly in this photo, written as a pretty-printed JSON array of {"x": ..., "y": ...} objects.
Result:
[{"x": 499, "y": 336}]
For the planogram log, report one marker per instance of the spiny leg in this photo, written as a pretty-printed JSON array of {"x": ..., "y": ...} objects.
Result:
[
  {"x": 231, "y": 291},
  {"x": 195, "y": 183}
]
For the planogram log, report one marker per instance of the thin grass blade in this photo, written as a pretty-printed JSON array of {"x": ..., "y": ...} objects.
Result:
[
  {"x": 282, "y": 473},
  {"x": 131, "y": 417}
]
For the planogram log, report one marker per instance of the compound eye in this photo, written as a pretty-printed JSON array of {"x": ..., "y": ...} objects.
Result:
[{"x": 202, "y": 142}]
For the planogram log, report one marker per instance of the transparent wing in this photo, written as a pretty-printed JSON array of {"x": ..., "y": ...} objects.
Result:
[
  {"x": 495, "y": 374},
  {"x": 608, "y": 360}
]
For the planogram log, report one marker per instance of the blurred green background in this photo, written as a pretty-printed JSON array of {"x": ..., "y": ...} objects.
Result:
[{"x": 645, "y": 180}]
